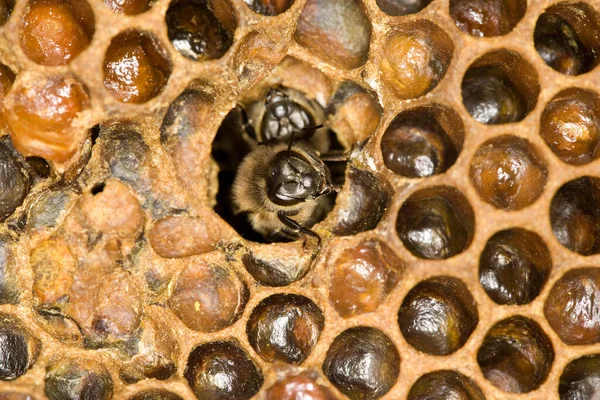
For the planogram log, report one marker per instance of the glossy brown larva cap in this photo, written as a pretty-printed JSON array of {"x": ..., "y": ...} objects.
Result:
[{"x": 461, "y": 257}]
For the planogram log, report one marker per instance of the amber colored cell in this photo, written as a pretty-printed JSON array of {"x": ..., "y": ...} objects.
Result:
[
  {"x": 52, "y": 32},
  {"x": 53, "y": 268},
  {"x": 398, "y": 8},
  {"x": 335, "y": 30},
  {"x": 514, "y": 266},
  {"x": 435, "y": 223},
  {"x": 128, "y": 7},
  {"x": 507, "y": 173},
  {"x": 196, "y": 32},
  {"x": 111, "y": 208},
  {"x": 413, "y": 62},
  {"x": 516, "y": 355},
  {"x": 445, "y": 385},
  {"x": 362, "y": 277},
  {"x": 580, "y": 379},
  {"x": 43, "y": 115},
  {"x": 487, "y": 18},
  {"x": 438, "y": 315},
  {"x": 303, "y": 386},
  {"x": 559, "y": 45},
  {"x": 362, "y": 363},
  {"x": 269, "y": 7},
  {"x": 285, "y": 327},
  {"x": 222, "y": 371},
  {"x": 573, "y": 306},
  {"x": 136, "y": 67},
  {"x": 570, "y": 125},
  {"x": 575, "y": 215},
  {"x": 18, "y": 349},
  {"x": 353, "y": 114},
  {"x": 77, "y": 379},
  {"x": 180, "y": 236},
  {"x": 208, "y": 297},
  {"x": 415, "y": 145}
]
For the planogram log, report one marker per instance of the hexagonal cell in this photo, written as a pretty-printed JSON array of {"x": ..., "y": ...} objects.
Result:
[
  {"x": 508, "y": 173},
  {"x": 222, "y": 371},
  {"x": 397, "y": 8},
  {"x": 487, "y": 18},
  {"x": 516, "y": 355},
  {"x": 285, "y": 327},
  {"x": 573, "y": 306},
  {"x": 129, "y": 7},
  {"x": 77, "y": 379},
  {"x": 53, "y": 32},
  {"x": 363, "y": 277},
  {"x": 304, "y": 385},
  {"x": 514, "y": 266},
  {"x": 201, "y": 30},
  {"x": 423, "y": 141},
  {"x": 566, "y": 37},
  {"x": 415, "y": 58},
  {"x": 269, "y": 8},
  {"x": 367, "y": 198},
  {"x": 335, "y": 30},
  {"x": 155, "y": 394},
  {"x": 445, "y": 385},
  {"x": 18, "y": 348},
  {"x": 43, "y": 114},
  {"x": 436, "y": 223},
  {"x": 438, "y": 315},
  {"x": 575, "y": 215},
  {"x": 208, "y": 297},
  {"x": 580, "y": 379},
  {"x": 500, "y": 87},
  {"x": 362, "y": 363},
  {"x": 136, "y": 67},
  {"x": 570, "y": 125},
  {"x": 353, "y": 114}
]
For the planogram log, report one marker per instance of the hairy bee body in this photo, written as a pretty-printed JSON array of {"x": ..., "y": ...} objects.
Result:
[{"x": 253, "y": 193}]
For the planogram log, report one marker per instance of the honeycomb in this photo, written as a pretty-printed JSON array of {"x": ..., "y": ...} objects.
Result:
[{"x": 458, "y": 259}]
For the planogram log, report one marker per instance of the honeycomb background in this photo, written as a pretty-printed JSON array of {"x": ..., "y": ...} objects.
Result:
[{"x": 173, "y": 175}]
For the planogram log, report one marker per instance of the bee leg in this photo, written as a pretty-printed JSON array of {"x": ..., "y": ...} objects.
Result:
[
  {"x": 335, "y": 157},
  {"x": 246, "y": 122},
  {"x": 296, "y": 227}
]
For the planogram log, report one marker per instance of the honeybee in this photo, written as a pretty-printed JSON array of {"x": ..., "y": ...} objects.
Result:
[{"x": 280, "y": 184}]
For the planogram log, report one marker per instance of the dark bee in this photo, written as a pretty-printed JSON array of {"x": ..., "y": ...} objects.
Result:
[
  {"x": 281, "y": 182},
  {"x": 286, "y": 113}
]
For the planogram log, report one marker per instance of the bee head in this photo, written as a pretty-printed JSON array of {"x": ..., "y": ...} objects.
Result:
[{"x": 293, "y": 179}]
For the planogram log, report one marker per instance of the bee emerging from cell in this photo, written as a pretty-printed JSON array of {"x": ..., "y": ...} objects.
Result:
[{"x": 281, "y": 185}]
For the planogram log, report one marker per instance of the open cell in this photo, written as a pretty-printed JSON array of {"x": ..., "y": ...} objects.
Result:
[
  {"x": 436, "y": 223},
  {"x": 499, "y": 88},
  {"x": 566, "y": 37}
]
